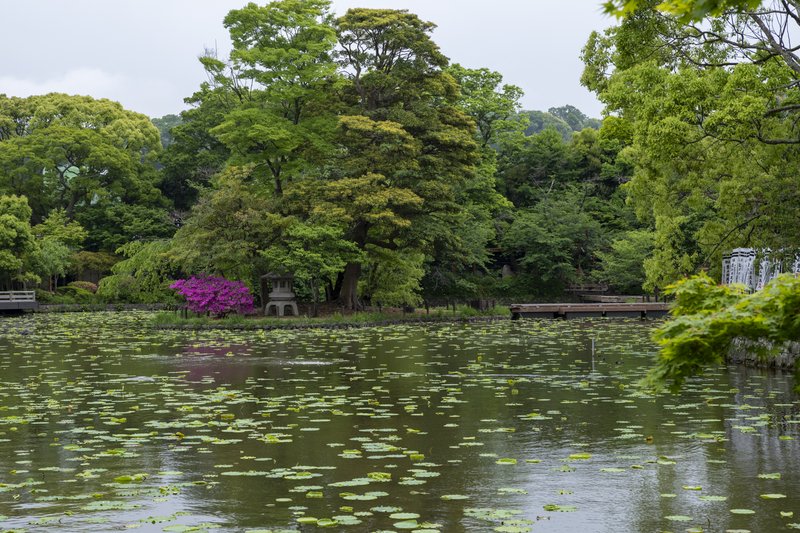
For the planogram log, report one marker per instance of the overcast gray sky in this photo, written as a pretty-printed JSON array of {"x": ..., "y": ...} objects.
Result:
[{"x": 143, "y": 53}]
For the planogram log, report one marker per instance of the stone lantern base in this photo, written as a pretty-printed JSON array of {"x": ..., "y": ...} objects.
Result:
[{"x": 280, "y": 307}]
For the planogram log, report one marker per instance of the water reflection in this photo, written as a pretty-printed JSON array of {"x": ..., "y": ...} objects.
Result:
[{"x": 105, "y": 424}]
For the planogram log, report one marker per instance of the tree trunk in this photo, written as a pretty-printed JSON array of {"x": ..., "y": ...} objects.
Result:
[
  {"x": 348, "y": 293},
  {"x": 315, "y": 297},
  {"x": 348, "y": 297},
  {"x": 329, "y": 291}
]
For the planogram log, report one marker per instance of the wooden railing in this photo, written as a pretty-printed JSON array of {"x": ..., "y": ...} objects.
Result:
[
  {"x": 588, "y": 287},
  {"x": 571, "y": 310},
  {"x": 18, "y": 296}
]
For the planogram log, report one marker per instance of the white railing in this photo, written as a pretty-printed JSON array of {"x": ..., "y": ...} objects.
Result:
[
  {"x": 754, "y": 269},
  {"x": 18, "y": 296}
]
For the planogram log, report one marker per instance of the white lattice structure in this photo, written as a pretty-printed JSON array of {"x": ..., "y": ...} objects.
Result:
[
  {"x": 739, "y": 267},
  {"x": 753, "y": 269},
  {"x": 767, "y": 269}
]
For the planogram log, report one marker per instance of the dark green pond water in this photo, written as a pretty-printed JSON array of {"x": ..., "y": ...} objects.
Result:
[{"x": 107, "y": 425}]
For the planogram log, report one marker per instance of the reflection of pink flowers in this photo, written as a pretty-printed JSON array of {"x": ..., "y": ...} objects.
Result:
[{"x": 215, "y": 295}]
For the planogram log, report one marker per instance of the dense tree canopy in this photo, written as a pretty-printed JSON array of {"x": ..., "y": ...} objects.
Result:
[
  {"x": 347, "y": 150},
  {"x": 709, "y": 92},
  {"x": 713, "y": 125},
  {"x": 16, "y": 239},
  {"x": 78, "y": 154},
  {"x": 684, "y": 9}
]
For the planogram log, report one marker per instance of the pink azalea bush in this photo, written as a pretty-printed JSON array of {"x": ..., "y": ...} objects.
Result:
[{"x": 215, "y": 295}]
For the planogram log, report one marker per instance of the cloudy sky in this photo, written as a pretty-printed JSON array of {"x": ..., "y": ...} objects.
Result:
[{"x": 143, "y": 53}]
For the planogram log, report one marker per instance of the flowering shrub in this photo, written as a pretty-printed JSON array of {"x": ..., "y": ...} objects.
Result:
[
  {"x": 215, "y": 295},
  {"x": 85, "y": 285}
]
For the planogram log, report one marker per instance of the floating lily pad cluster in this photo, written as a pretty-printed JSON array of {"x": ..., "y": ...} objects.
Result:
[{"x": 504, "y": 426}]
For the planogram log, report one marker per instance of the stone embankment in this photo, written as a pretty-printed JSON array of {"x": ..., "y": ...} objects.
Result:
[{"x": 763, "y": 354}]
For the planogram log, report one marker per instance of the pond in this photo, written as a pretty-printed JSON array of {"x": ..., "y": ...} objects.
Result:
[{"x": 107, "y": 424}]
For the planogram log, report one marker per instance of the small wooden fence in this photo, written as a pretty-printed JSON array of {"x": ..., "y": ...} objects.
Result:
[{"x": 18, "y": 300}]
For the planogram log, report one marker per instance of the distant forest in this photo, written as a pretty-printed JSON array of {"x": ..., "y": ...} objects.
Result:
[{"x": 352, "y": 153}]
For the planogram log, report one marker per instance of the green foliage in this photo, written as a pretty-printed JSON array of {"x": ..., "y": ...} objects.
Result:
[
  {"x": 51, "y": 260},
  {"x": 115, "y": 225},
  {"x": 313, "y": 253},
  {"x": 687, "y": 10},
  {"x": 493, "y": 105},
  {"x": 16, "y": 239},
  {"x": 462, "y": 252},
  {"x": 709, "y": 126},
  {"x": 545, "y": 162},
  {"x": 67, "y": 295},
  {"x": 574, "y": 117},
  {"x": 555, "y": 240},
  {"x": 57, "y": 226},
  {"x": 98, "y": 262},
  {"x": 405, "y": 149},
  {"x": 622, "y": 266},
  {"x": 540, "y": 121},
  {"x": 345, "y": 150},
  {"x": 707, "y": 318},
  {"x": 76, "y": 153},
  {"x": 282, "y": 50},
  {"x": 74, "y": 294},
  {"x": 227, "y": 228},
  {"x": 57, "y": 238},
  {"x": 194, "y": 155},
  {"x": 165, "y": 125},
  {"x": 535, "y": 167},
  {"x": 142, "y": 277},
  {"x": 393, "y": 278},
  {"x": 84, "y": 285}
]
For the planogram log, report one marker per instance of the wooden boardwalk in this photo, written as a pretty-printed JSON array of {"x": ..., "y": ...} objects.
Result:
[
  {"x": 18, "y": 301},
  {"x": 578, "y": 310}
]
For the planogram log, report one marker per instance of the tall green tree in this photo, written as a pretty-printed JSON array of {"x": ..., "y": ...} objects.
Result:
[
  {"x": 194, "y": 155},
  {"x": 282, "y": 71},
  {"x": 622, "y": 266},
  {"x": 16, "y": 240},
  {"x": 57, "y": 240},
  {"x": 538, "y": 121},
  {"x": 228, "y": 227},
  {"x": 553, "y": 243},
  {"x": 143, "y": 276},
  {"x": 574, "y": 117},
  {"x": 492, "y": 104},
  {"x": 165, "y": 125},
  {"x": 398, "y": 93},
  {"x": 461, "y": 258},
  {"x": 714, "y": 131},
  {"x": 315, "y": 253},
  {"x": 76, "y": 153}
]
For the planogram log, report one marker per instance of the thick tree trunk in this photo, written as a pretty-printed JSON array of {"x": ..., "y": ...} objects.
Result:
[
  {"x": 348, "y": 292},
  {"x": 336, "y": 289},
  {"x": 348, "y": 297},
  {"x": 315, "y": 297}
]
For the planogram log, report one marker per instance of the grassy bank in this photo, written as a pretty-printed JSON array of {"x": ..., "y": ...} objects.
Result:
[{"x": 174, "y": 320}]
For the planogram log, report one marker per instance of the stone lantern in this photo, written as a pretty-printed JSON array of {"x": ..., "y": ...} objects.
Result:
[{"x": 276, "y": 290}]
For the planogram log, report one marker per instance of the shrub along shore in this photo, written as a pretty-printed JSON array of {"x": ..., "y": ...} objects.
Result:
[{"x": 174, "y": 320}]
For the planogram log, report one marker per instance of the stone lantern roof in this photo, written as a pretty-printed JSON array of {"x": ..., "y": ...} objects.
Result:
[{"x": 277, "y": 275}]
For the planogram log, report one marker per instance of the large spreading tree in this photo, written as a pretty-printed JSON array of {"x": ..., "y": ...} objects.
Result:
[
  {"x": 713, "y": 111},
  {"x": 351, "y": 126},
  {"x": 78, "y": 154}
]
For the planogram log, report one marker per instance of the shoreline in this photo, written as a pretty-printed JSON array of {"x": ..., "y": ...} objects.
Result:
[{"x": 322, "y": 324}]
